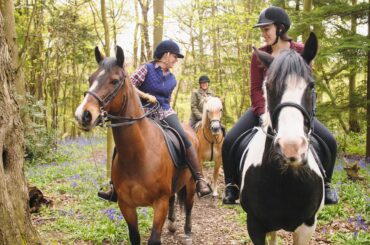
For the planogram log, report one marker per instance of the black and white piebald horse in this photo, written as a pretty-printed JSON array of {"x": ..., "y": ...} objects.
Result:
[{"x": 282, "y": 186}]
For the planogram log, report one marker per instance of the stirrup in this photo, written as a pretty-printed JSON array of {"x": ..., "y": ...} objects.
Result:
[
  {"x": 232, "y": 185},
  {"x": 208, "y": 185}
]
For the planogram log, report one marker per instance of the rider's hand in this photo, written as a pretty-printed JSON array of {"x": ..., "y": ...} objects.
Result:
[{"x": 150, "y": 98}]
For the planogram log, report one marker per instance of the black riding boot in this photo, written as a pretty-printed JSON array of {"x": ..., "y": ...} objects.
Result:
[
  {"x": 203, "y": 188},
  {"x": 231, "y": 194},
  {"x": 331, "y": 196},
  {"x": 109, "y": 195}
]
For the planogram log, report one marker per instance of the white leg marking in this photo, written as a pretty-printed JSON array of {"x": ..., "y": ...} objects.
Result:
[
  {"x": 303, "y": 234},
  {"x": 273, "y": 240}
]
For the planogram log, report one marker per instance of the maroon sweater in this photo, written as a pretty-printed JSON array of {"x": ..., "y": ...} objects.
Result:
[{"x": 258, "y": 72}]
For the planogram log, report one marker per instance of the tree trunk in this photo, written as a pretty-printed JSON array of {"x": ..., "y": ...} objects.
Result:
[
  {"x": 307, "y": 7},
  {"x": 15, "y": 222},
  {"x": 368, "y": 93},
  {"x": 354, "y": 126},
  {"x": 144, "y": 11},
  {"x": 158, "y": 12},
  {"x": 107, "y": 53},
  {"x": 7, "y": 10},
  {"x": 137, "y": 28}
]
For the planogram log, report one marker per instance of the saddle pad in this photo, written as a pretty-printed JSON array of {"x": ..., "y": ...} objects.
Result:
[
  {"x": 175, "y": 145},
  {"x": 239, "y": 146}
]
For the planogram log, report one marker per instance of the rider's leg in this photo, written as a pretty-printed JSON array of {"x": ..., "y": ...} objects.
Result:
[
  {"x": 331, "y": 196},
  {"x": 195, "y": 167},
  {"x": 109, "y": 195},
  {"x": 247, "y": 121}
]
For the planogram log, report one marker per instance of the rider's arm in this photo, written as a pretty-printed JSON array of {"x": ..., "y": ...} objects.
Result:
[
  {"x": 194, "y": 106},
  {"x": 137, "y": 78},
  {"x": 256, "y": 77}
]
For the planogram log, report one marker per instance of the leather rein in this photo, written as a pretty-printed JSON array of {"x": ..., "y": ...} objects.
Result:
[{"x": 122, "y": 121}]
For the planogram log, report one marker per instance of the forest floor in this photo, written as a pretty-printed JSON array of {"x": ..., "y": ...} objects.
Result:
[
  {"x": 215, "y": 223},
  {"x": 212, "y": 222}
]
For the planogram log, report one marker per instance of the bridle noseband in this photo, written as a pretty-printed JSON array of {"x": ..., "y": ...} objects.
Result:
[
  {"x": 122, "y": 121},
  {"x": 308, "y": 118}
]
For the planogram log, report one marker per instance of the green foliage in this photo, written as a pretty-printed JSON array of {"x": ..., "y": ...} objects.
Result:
[{"x": 352, "y": 143}]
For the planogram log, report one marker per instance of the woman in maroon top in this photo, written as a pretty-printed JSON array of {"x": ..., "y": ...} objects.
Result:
[{"x": 274, "y": 24}]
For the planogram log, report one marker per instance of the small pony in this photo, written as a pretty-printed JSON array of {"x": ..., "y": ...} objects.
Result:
[
  {"x": 143, "y": 172},
  {"x": 282, "y": 185},
  {"x": 210, "y": 136}
]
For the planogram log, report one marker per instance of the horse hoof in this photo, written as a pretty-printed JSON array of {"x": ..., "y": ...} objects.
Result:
[
  {"x": 171, "y": 227},
  {"x": 188, "y": 240}
]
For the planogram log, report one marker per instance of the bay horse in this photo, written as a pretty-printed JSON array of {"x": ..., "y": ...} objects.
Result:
[
  {"x": 282, "y": 185},
  {"x": 210, "y": 136},
  {"x": 143, "y": 173}
]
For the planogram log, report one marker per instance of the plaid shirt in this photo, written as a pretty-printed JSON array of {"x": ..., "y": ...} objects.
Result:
[{"x": 138, "y": 78}]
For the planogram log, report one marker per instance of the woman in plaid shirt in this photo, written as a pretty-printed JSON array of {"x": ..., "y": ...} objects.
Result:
[{"x": 155, "y": 83}]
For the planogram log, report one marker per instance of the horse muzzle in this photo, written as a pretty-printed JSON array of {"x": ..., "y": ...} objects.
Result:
[
  {"x": 293, "y": 150},
  {"x": 215, "y": 127},
  {"x": 87, "y": 119}
]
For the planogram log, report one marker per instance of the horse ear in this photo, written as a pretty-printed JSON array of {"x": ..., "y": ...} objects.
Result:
[
  {"x": 120, "y": 56},
  {"x": 310, "y": 48},
  {"x": 98, "y": 56},
  {"x": 265, "y": 58}
]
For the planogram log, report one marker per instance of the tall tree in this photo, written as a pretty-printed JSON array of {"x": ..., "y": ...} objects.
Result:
[
  {"x": 7, "y": 10},
  {"x": 15, "y": 222},
  {"x": 158, "y": 13},
  {"x": 353, "y": 112},
  {"x": 137, "y": 29},
  {"x": 107, "y": 53},
  {"x": 368, "y": 92},
  {"x": 145, "y": 28}
]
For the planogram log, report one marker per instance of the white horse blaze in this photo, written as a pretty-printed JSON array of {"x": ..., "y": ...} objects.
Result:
[
  {"x": 291, "y": 136},
  {"x": 82, "y": 107}
]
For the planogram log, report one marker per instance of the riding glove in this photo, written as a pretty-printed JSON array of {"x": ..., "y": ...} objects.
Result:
[{"x": 150, "y": 98}]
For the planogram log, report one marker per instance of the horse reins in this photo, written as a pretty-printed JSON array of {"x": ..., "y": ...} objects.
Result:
[{"x": 123, "y": 121}]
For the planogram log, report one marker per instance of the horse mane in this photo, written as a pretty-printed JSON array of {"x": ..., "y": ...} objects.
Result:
[
  {"x": 287, "y": 64},
  {"x": 210, "y": 104}
]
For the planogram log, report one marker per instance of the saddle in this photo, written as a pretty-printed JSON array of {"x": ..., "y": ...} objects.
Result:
[
  {"x": 238, "y": 151},
  {"x": 174, "y": 143}
]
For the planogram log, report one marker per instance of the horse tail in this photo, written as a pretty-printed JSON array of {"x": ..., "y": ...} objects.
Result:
[{"x": 181, "y": 197}]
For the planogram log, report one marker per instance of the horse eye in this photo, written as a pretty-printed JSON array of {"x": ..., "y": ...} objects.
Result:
[
  {"x": 115, "y": 81},
  {"x": 221, "y": 109}
]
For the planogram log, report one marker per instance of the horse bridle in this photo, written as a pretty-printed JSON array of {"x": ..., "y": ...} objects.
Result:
[
  {"x": 308, "y": 118},
  {"x": 211, "y": 141},
  {"x": 105, "y": 116}
]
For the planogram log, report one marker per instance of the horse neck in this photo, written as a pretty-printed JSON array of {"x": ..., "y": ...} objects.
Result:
[{"x": 132, "y": 135}]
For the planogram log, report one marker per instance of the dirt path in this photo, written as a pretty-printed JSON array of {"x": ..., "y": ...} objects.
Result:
[{"x": 214, "y": 223}]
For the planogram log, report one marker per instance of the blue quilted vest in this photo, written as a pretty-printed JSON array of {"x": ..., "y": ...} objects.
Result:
[{"x": 158, "y": 85}]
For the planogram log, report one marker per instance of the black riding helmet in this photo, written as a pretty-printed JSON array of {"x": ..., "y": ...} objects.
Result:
[
  {"x": 204, "y": 79},
  {"x": 167, "y": 46},
  {"x": 277, "y": 16},
  {"x": 273, "y": 15}
]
